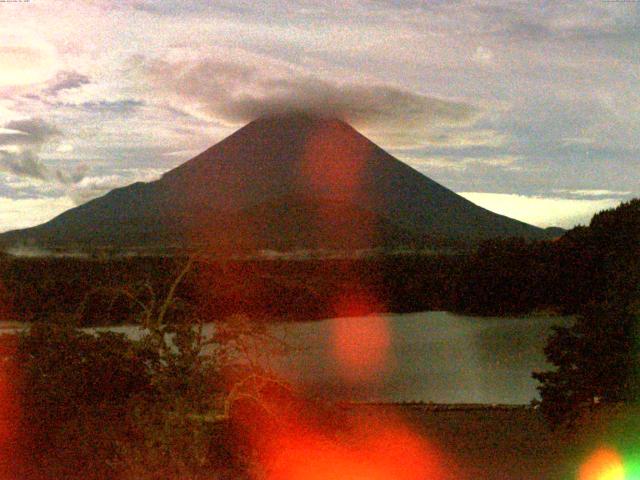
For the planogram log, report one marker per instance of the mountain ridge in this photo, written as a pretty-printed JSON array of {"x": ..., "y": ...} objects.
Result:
[{"x": 319, "y": 170}]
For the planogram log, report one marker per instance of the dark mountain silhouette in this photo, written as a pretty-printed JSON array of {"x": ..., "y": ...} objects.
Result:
[{"x": 281, "y": 182}]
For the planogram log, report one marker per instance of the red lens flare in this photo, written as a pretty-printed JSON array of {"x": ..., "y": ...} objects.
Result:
[
  {"x": 10, "y": 405},
  {"x": 360, "y": 344},
  {"x": 603, "y": 464},
  {"x": 367, "y": 447},
  {"x": 332, "y": 173},
  {"x": 8, "y": 397},
  {"x": 333, "y": 160}
]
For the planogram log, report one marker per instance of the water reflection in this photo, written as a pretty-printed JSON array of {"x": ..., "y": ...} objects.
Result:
[
  {"x": 434, "y": 356},
  {"x": 437, "y": 356}
]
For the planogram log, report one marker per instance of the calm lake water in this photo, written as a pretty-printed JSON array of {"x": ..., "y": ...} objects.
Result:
[{"x": 431, "y": 356}]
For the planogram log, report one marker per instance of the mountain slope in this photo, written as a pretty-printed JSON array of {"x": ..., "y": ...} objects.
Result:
[{"x": 293, "y": 181}]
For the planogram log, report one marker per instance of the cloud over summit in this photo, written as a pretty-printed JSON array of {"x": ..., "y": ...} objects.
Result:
[{"x": 238, "y": 93}]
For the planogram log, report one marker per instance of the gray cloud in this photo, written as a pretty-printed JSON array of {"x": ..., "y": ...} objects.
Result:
[
  {"x": 32, "y": 132},
  {"x": 23, "y": 164},
  {"x": 116, "y": 106},
  {"x": 73, "y": 177},
  {"x": 66, "y": 80},
  {"x": 238, "y": 93},
  {"x": 21, "y": 153},
  {"x": 244, "y": 8},
  {"x": 22, "y": 158}
]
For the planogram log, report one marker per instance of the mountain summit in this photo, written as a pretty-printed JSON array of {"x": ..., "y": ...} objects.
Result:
[{"x": 282, "y": 182}]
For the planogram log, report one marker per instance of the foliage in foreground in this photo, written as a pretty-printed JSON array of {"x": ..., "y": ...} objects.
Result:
[
  {"x": 597, "y": 359},
  {"x": 595, "y": 363},
  {"x": 102, "y": 405}
]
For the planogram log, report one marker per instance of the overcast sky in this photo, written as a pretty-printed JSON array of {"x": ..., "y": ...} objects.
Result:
[{"x": 531, "y": 108}]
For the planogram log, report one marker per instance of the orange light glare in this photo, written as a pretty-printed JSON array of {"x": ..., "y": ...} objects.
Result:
[
  {"x": 371, "y": 451},
  {"x": 603, "y": 464},
  {"x": 360, "y": 343},
  {"x": 361, "y": 346}
]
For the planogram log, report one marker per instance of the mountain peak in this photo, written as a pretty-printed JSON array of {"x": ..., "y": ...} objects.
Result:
[
  {"x": 297, "y": 122},
  {"x": 295, "y": 180}
]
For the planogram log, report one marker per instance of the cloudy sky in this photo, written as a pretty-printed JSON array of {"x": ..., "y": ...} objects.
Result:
[{"x": 530, "y": 108}]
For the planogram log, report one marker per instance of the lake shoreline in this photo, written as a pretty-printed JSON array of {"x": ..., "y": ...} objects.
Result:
[{"x": 429, "y": 357}]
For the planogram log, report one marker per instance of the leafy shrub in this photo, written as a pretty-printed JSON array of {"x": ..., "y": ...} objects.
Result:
[
  {"x": 75, "y": 392},
  {"x": 595, "y": 361}
]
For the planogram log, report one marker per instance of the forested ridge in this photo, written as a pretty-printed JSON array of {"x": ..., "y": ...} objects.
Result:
[
  {"x": 501, "y": 277},
  {"x": 596, "y": 359}
]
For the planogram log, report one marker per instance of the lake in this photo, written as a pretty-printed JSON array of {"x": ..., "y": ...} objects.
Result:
[
  {"x": 436, "y": 357},
  {"x": 433, "y": 357}
]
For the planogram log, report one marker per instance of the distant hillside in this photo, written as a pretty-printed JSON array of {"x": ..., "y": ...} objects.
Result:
[
  {"x": 588, "y": 265},
  {"x": 285, "y": 182},
  {"x": 603, "y": 258}
]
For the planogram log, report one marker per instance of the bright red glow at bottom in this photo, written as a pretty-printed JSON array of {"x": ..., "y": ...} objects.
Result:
[
  {"x": 603, "y": 464},
  {"x": 369, "y": 450}
]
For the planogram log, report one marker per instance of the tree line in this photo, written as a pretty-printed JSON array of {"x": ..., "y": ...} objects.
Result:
[
  {"x": 587, "y": 265},
  {"x": 596, "y": 361}
]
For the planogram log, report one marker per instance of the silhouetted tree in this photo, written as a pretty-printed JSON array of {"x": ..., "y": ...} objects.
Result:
[{"x": 595, "y": 362}]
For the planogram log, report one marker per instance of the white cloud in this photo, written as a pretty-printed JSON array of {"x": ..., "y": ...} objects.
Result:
[
  {"x": 20, "y": 183},
  {"x": 186, "y": 154},
  {"x": 64, "y": 148},
  {"x": 541, "y": 211},
  {"x": 483, "y": 56},
  {"x": 596, "y": 193},
  {"x": 11, "y": 149},
  {"x": 23, "y": 213},
  {"x": 11, "y": 131},
  {"x": 461, "y": 163},
  {"x": 90, "y": 187},
  {"x": 24, "y": 59}
]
